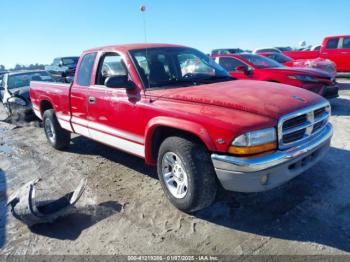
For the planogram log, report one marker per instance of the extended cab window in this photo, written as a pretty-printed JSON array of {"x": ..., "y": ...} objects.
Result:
[
  {"x": 332, "y": 43},
  {"x": 85, "y": 70},
  {"x": 230, "y": 63},
  {"x": 111, "y": 64},
  {"x": 346, "y": 42}
]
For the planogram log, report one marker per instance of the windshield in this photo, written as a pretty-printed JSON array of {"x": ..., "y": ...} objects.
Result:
[
  {"x": 176, "y": 66},
  {"x": 280, "y": 58},
  {"x": 70, "y": 61},
  {"x": 23, "y": 80},
  {"x": 261, "y": 61}
]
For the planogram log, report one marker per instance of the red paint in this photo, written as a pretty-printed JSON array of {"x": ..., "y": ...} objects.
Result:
[
  {"x": 279, "y": 74},
  {"x": 340, "y": 55},
  {"x": 317, "y": 63},
  {"x": 221, "y": 110}
]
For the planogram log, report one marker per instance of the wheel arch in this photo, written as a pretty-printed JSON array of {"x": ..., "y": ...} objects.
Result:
[
  {"x": 45, "y": 104},
  {"x": 160, "y": 128}
]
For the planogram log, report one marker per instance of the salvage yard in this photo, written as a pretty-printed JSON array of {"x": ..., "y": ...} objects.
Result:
[{"x": 124, "y": 211}]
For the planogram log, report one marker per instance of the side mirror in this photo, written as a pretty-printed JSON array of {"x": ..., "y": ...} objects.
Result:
[
  {"x": 243, "y": 68},
  {"x": 119, "y": 82}
]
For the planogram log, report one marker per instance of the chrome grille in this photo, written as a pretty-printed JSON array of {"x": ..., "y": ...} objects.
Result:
[{"x": 296, "y": 127}]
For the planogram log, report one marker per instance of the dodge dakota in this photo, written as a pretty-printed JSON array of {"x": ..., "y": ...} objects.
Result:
[
  {"x": 180, "y": 111},
  {"x": 334, "y": 48},
  {"x": 256, "y": 67}
]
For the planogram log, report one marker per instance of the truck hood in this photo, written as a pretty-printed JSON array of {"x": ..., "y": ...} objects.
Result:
[
  {"x": 301, "y": 71},
  {"x": 262, "y": 98}
]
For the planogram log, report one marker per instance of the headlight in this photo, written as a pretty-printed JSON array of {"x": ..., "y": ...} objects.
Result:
[
  {"x": 303, "y": 78},
  {"x": 17, "y": 100},
  {"x": 254, "y": 142}
]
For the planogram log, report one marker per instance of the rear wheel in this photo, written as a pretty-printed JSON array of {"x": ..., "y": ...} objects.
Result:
[
  {"x": 55, "y": 134},
  {"x": 186, "y": 174}
]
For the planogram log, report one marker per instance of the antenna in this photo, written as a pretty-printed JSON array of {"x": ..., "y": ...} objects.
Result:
[{"x": 143, "y": 11}]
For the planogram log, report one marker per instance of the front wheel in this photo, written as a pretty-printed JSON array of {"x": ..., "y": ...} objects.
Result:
[
  {"x": 186, "y": 174},
  {"x": 58, "y": 137}
]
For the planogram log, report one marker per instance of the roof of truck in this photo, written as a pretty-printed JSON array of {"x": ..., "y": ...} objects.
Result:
[{"x": 128, "y": 47}]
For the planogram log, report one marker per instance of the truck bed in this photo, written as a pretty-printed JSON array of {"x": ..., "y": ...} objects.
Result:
[{"x": 57, "y": 94}]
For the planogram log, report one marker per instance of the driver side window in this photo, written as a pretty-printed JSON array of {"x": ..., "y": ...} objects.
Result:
[
  {"x": 111, "y": 64},
  {"x": 230, "y": 63}
]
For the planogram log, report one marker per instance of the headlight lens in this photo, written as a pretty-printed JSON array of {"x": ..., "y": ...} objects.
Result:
[
  {"x": 303, "y": 78},
  {"x": 17, "y": 100},
  {"x": 254, "y": 142}
]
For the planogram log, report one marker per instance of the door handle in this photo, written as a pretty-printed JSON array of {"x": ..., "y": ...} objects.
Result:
[{"x": 92, "y": 99}]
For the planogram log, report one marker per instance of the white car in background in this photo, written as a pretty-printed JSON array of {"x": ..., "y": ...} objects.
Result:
[{"x": 266, "y": 50}]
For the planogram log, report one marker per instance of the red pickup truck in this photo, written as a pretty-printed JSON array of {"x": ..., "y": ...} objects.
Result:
[
  {"x": 334, "y": 48},
  {"x": 179, "y": 110}
]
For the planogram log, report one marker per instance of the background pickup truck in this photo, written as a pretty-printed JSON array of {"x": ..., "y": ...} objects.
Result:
[
  {"x": 63, "y": 66},
  {"x": 179, "y": 110},
  {"x": 334, "y": 48}
]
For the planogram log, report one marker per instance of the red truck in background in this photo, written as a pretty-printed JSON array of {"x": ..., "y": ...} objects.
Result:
[
  {"x": 256, "y": 67},
  {"x": 197, "y": 125},
  {"x": 334, "y": 48}
]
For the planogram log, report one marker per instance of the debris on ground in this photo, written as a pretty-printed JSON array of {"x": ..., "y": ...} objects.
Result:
[{"x": 31, "y": 210}]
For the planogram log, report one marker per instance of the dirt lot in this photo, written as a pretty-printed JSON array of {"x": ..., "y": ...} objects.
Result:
[{"x": 123, "y": 210}]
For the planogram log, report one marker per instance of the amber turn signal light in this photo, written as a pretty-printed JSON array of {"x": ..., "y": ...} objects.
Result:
[{"x": 251, "y": 150}]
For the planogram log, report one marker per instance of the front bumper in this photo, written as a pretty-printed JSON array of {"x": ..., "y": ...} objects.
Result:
[{"x": 264, "y": 172}]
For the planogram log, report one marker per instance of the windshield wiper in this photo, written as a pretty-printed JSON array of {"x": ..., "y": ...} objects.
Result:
[{"x": 212, "y": 79}]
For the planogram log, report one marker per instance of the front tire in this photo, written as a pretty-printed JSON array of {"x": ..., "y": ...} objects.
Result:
[
  {"x": 58, "y": 137},
  {"x": 186, "y": 174}
]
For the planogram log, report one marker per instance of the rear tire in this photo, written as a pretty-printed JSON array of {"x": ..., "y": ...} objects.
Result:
[
  {"x": 186, "y": 173},
  {"x": 58, "y": 137}
]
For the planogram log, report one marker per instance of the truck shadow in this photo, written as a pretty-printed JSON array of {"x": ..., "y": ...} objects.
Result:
[
  {"x": 3, "y": 209},
  {"x": 85, "y": 146},
  {"x": 344, "y": 85},
  {"x": 313, "y": 207},
  {"x": 340, "y": 107},
  {"x": 70, "y": 227}
]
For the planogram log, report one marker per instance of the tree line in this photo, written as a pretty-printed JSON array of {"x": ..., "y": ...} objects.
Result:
[{"x": 24, "y": 67}]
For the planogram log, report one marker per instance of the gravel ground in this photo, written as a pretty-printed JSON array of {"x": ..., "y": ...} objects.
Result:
[{"x": 123, "y": 210}]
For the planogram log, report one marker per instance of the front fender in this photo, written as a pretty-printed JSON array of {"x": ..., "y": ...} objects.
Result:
[{"x": 171, "y": 122}]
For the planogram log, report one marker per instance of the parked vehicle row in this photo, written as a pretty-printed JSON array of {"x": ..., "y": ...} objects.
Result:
[
  {"x": 256, "y": 67},
  {"x": 182, "y": 112},
  {"x": 334, "y": 48}
]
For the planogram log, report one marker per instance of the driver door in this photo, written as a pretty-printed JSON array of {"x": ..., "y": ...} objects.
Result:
[{"x": 113, "y": 111}]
